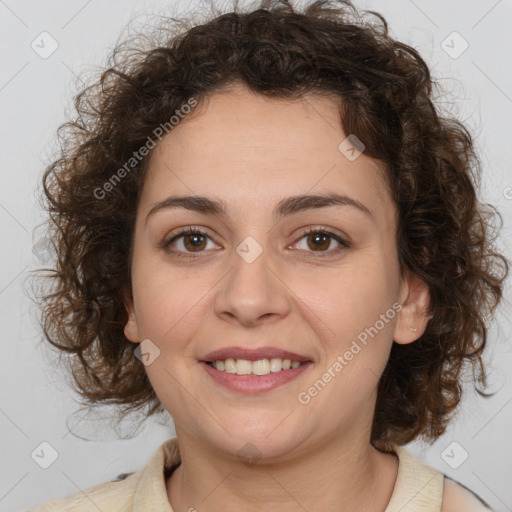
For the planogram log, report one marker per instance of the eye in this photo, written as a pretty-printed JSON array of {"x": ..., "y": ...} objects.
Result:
[
  {"x": 320, "y": 240},
  {"x": 186, "y": 242}
]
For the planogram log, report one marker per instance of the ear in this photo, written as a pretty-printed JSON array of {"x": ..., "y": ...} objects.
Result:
[
  {"x": 131, "y": 330},
  {"x": 413, "y": 317}
]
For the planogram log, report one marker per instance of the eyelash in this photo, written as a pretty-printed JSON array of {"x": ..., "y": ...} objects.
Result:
[{"x": 193, "y": 230}]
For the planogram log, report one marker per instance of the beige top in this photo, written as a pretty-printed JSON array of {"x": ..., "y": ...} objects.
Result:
[{"x": 418, "y": 488}]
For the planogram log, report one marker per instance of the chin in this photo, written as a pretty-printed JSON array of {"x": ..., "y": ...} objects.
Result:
[{"x": 252, "y": 445}]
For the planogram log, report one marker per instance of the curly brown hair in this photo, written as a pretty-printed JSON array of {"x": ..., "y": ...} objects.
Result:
[{"x": 385, "y": 95}]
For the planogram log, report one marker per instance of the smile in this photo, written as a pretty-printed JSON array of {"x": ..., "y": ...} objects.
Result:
[
  {"x": 259, "y": 367},
  {"x": 250, "y": 382}
]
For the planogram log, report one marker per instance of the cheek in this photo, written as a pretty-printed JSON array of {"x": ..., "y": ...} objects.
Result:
[
  {"x": 169, "y": 304},
  {"x": 360, "y": 320},
  {"x": 350, "y": 299}
]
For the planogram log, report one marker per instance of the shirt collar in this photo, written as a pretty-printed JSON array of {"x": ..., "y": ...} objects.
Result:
[{"x": 151, "y": 491}]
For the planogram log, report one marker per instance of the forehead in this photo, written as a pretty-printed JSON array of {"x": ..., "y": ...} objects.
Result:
[{"x": 241, "y": 146}]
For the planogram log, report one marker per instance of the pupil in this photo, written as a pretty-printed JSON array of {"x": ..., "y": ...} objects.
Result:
[
  {"x": 194, "y": 240},
  {"x": 321, "y": 241}
]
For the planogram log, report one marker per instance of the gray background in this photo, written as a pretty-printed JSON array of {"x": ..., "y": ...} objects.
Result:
[{"x": 36, "y": 404}]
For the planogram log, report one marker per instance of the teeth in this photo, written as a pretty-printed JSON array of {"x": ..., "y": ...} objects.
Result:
[
  {"x": 243, "y": 367},
  {"x": 230, "y": 365},
  {"x": 260, "y": 367},
  {"x": 276, "y": 365}
]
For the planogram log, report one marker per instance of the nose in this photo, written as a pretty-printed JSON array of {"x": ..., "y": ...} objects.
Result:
[{"x": 252, "y": 293}]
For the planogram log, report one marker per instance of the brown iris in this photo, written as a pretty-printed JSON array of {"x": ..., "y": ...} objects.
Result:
[
  {"x": 197, "y": 244},
  {"x": 324, "y": 245}
]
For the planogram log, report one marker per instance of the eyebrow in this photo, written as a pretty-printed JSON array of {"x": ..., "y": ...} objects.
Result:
[{"x": 287, "y": 206}]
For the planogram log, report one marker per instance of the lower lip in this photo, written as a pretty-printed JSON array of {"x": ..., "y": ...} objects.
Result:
[{"x": 253, "y": 383}]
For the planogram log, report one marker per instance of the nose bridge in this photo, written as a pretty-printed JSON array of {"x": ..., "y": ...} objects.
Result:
[{"x": 251, "y": 290}]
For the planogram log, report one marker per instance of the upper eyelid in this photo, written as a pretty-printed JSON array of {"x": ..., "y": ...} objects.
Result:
[{"x": 187, "y": 230}]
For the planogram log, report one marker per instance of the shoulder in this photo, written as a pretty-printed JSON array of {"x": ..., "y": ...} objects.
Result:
[
  {"x": 112, "y": 496},
  {"x": 430, "y": 488},
  {"x": 141, "y": 488},
  {"x": 457, "y": 497}
]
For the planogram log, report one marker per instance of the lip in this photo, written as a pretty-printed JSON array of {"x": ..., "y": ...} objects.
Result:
[
  {"x": 252, "y": 354},
  {"x": 254, "y": 384}
]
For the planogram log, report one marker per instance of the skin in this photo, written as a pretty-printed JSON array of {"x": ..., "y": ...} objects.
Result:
[{"x": 252, "y": 152}]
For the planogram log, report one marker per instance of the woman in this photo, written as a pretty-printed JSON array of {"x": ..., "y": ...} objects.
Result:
[{"x": 270, "y": 207}]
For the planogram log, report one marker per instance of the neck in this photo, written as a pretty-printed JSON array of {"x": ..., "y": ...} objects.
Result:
[{"x": 331, "y": 475}]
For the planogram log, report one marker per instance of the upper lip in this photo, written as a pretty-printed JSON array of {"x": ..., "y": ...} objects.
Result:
[{"x": 252, "y": 354}]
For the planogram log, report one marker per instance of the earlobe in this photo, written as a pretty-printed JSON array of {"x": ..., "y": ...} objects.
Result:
[
  {"x": 131, "y": 330},
  {"x": 413, "y": 317}
]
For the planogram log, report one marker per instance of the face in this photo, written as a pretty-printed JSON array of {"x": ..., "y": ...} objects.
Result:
[{"x": 307, "y": 280}]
